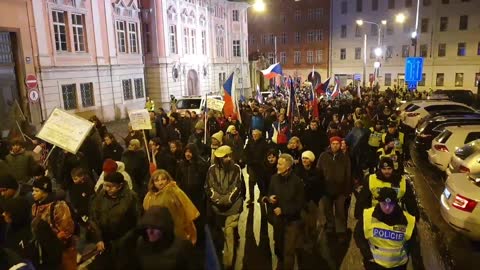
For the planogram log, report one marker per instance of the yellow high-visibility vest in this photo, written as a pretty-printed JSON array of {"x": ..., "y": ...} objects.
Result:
[
  {"x": 393, "y": 156},
  {"x": 376, "y": 184},
  {"x": 375, "y": 138},
  {"x": 398, "y": 141}
]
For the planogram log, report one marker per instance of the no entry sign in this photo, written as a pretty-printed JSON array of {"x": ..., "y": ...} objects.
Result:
[{"x": 31, "y": 81}]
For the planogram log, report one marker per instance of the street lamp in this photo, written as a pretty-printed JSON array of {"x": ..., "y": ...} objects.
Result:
[
  {"x": 400, "y": 18},
  {"x": 378, "y": 52},
  {"x": 376, "y": 64},
  {"x": 259, "y": 5}
]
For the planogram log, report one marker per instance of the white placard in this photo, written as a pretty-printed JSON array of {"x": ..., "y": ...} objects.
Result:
[
  {"x": 65, "y": 130},
  {"x": 215, "y": 104},
  {"x": 140, "y": 119}
]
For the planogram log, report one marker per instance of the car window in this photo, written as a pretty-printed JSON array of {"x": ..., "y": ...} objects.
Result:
[
  {"x": 452, "y": 107},
  {"x": 443, "y": 137},
  {"x": 472, "y": 136},
  {"x": 412, "y": 108},
  {"x": 185, "y": 104},
  {"x": 467, "y": 150}
]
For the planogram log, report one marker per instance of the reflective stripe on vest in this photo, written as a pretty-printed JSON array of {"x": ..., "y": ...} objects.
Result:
[
  {"x": 375, "y": 138},
  {"x": 398, "y": 141},
  {"x": 376, "y": 184},
  {"x": 392, "y": 155},
  {"x": 387, "y": 243}
]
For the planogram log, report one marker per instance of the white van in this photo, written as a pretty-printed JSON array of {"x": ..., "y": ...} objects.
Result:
[{"x": 194, "y": 103}]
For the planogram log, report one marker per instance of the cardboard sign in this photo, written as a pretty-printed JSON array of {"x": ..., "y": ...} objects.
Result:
[
  {"x": 215, "y": 104},
  {"x": 140, "y": 119},
  {"x": 65, "y": 130}
]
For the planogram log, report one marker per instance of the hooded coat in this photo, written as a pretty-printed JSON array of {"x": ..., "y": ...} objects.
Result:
[{"x": 20, "y": 165}]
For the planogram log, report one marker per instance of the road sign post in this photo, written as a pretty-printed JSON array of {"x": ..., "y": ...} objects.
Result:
[
  {"x": 413, "y": 71},
  {"x": 31, "y": 81}
]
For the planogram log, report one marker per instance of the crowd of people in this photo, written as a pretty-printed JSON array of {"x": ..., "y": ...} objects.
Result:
[{"x": 148, "y": 210}]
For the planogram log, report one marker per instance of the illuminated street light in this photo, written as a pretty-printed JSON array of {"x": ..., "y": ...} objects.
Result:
[
  {"x": 384, "y": 22},
  {"x": 359, "y": 22},
  {"x": 259, "y": 5},
  {"x": 376, "y": 64},
  {"x": 378, "y": 51},
  {"x": 414, "y": 34},
  {"x": 400, "y": 18}
]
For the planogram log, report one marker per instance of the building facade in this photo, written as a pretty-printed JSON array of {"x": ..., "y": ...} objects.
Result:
[
  {"x": 192, "y": 46},
  {"x": 293, "y": 33},
  {"x": 447, "y": 38}
]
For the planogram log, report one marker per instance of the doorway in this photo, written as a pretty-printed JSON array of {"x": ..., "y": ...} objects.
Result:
[{"x": 192, "y": 83}]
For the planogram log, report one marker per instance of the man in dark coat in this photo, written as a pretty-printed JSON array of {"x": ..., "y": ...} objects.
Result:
[
  {"x": 136, "y": 165},
  {"x": 314, "y": 139},
  {"x": 254, "y": 155}
]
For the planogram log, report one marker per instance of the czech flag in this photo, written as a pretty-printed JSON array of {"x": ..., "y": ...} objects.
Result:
[
  {"x": 229, "y": 107},
  {"x": 336, "y": 89},
  {"x": 322, "y": 87},
  {"x": 272, "y": 71}
]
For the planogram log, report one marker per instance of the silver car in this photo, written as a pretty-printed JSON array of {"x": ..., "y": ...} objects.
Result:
[{"x": 466, "y": 159}]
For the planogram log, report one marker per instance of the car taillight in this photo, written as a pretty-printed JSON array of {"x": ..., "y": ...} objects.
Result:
[
  {"x": 464, "y": 204},
  {"x": 413, "y": 114},
  {"x": 463, "y": 169},
  {"x": 440, "y": 147}
]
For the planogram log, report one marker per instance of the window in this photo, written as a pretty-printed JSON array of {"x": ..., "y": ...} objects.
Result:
[
  {"x": 138, "y": 83},
  {"x": 423, "y": 50},
  {"x": 297, "y": 56},
  {"x": 132, "y": 36},
  {"x": 147, "y": 38},
  {"x": 358, "y": 31},
  {"x": 78, "y": 33},
  {"x": 271, "y": 58},
  {"x": 86, "y": 92},
  {"x": 358, "y": 53},
  {"x": 405, "y": 51},
  {"x": 373, "y": 30},
  {"x": 389, "y": 29},
  {"x": 461, "y": 49},
  {"x": 458, "y": 79},
  {"x": 472, "y": 135},
  {"x": 318, "y": 35},
  {"x": 408, "y": 3},
  {"x": 443, "y": 24},
  {"x": 122, "y": 45},
  {"x": 310, "y": 36},
  {"x": 69, "y": 94},
  {"x": 127, "y": 89},
  {"x": 463, "y": 22},
  {"x": 318, "y": 13},
  {"x": 445, "y": 2},
  {"x": 235, "y": 15},
  {"x": 391, "y": 4},
  {"x": 343, "y": 33},
  {"x": 310, "y": 14},
  {"x": 374, "y": 5},
  {"x": 186, "y": 40},
  {"x": 173, "y": 39},
  {"x": 388, "y": 79},
  {"x": 204, "y": 42},
  {"x": 424, "y": 26},
  {"x": 271, "y": 38},
  {"x": 298, "y": 15},
  {"x": 236, "y": 48},
  {"x": 283, "y": 38},
  {"x": 59, "y": 30},
  {"x": 344, "y": 7},
  {"x": 389, "y": 52},
  {"x": 319, "y": 56},
  {"x": 220, "y": 45},
  {"x": 422, "y": 82},
  {"x": 442, "y": 49},
  {"x": 310, "y": 57},
  {"x": 343, "y": 54},
  {"x": 427, "y": 3},
  {"x": 440, "y": 79},
  {"x": 283, "y": 58},
  {"x": 359, "y": 5},
  {"x": 193, "y": 38},
  {"x": 298, "y": 37}
]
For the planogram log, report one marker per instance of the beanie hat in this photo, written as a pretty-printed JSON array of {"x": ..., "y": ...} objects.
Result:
[
  {"x": 335, "y": 139},
  {"x": 8, "y": 181},
  {"x": 43, "y": 183},
  {"x": 218, "y": 136},
  {"x": 230, "y": 128},
  {"x": 114, "y": 177},
  {"x": 388, "y": 195},
  {"x": 109, "y": 166},
  {"x": 385, "y": 162},
  {"x": 222, "y": 151},
  {"x": 309, "y": 154},
  {"x": 200, "y": 125}
]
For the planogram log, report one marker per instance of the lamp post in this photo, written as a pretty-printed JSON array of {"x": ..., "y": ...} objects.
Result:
[{"x": 378, "y": 51}]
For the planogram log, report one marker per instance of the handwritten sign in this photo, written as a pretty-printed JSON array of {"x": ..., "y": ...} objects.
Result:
[
  {"x": 140, "y": 119},
  {"x": 65, "y": 130},
  {"x": 215, "y": 104}
]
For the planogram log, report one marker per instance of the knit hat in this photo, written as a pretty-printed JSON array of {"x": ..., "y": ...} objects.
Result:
[
  {"x": 43, "y": 183},
  {"x": 109, "y": 166},
  {"x": 222, "y": 151},
  {"x": 388, "y": 195},
  {"x": 114, "y": 177},
  {"x": 385, "y": 162},
  {"x": 218, "y": 136},
  {"x": 230, "y": 128},
  {"x": 8, "y": 181},
  {"x": 335, "y": 139},
  {"x": 309, "y": 154},
  {"x": 200, "y": 125},
  {"x": 392, "y": 124}
]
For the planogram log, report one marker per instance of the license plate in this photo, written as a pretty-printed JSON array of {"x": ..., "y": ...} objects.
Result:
[{"x": 447, "y": 193}]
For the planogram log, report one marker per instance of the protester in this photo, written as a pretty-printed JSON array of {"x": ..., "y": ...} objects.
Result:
[{"x": 111, "y": 148}]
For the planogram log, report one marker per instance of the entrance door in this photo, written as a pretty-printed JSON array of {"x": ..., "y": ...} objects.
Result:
[
  {"x": 8, "y": 82},
  {"x": 192, "y": 83}
]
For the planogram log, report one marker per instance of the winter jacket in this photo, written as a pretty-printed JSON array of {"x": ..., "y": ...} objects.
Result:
[
  {"x": 190, "y": 178},
  {"x": 312, "y": 181},
  {"x": 136, "y": 165},
  {"x": 315, "y": 141},
  {"x": 19, "y": 232},
  {"x": 92, "y": 149},
  {"x": 166, "y": 161},
  {"x": 120, "y": 169},
  {"x": 290, "y": 194},
  {"x": 224, "y": 189},
  {"x": 336, "y": 171},
  {"x": 254, "y": 154},
  {"x": 236, "y": 143},
  {"x": 113, "y": 151},
  {"x": 79, "y": 196},
  {"x": 20, "y": 165},
  {"x": 63, "y": 220},
  {"x": 114, "y": 216}
]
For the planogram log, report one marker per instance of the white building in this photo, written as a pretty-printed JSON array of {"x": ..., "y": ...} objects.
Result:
[
  {"x": 192, "y": 46},
  {"x": 448, "y": 39}
]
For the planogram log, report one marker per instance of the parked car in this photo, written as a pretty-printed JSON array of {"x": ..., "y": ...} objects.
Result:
[
  {"x": 448, "y": 141},
  {"x": 429, "y": 129},
  {"x": 466, "y": 159},
  {"x": 193, "y": 103},
  {"x": 458, "y": 95},
  {"x": 459, "y": 204},
  {"x": 407, "y": 104},
  {"x": 445, "y": 113},
  {"x": 417, "y": 111}
]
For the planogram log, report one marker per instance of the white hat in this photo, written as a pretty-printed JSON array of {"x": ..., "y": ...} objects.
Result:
[{"x": 309, "y": 154}]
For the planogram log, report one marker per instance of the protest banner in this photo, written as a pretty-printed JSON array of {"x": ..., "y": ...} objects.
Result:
[
  {"x": 140, "y": 119},
  {"x": 215, "y": 104}
]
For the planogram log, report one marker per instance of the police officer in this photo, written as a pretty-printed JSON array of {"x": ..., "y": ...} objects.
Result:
[
  {"x": 388, "y": 150},
  {"x": 386, "y": 235},
  {"x": 397, "y": 136},
  {"x": 374, "y": 141},
  {"x": 385, "y": 177}
]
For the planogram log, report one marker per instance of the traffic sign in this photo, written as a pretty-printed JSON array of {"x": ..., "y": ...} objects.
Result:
[
  {"x": 33, "y": 95},
  {"x": 413, "y": 69},
  {"x": 412, "y": 85},
  {"x": 31, "y": 81}
]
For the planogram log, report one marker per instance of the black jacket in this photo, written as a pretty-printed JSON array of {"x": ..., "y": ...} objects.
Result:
[
  {"x": 254, "y": 154},
  {"x": 79, "y": 196},
  {"x": 312, "y": 182},
  {"x": 136, "y": 165},
  {"x": 336, "y": 171},
  {"x": 290, "y": 195},
  {"x": 315, "y": 141},
  {"x": 113, "y": 151}
]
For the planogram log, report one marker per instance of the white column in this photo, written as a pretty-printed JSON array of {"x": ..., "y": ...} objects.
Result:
[
  {"x": 112, "y": 45},
  {"x": 97, "y": 31},
  {"x": 41, "y": 32}
]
